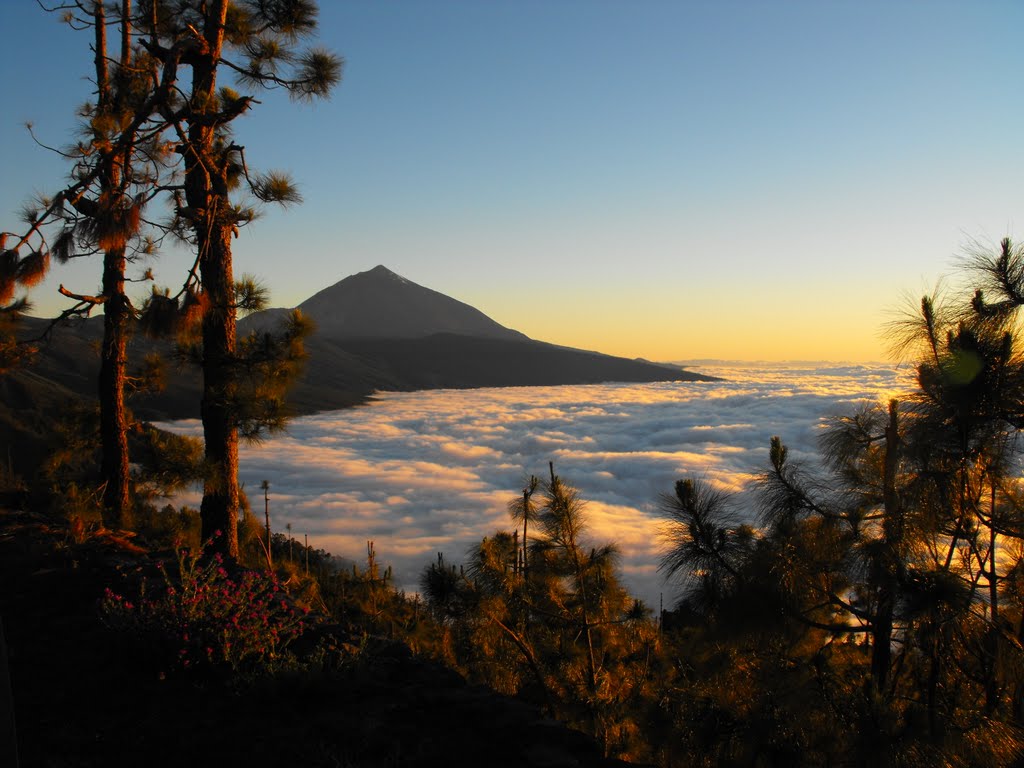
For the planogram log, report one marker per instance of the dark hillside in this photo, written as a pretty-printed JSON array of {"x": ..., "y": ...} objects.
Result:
[
  {"x": 69, "y": 358},
  {"x": 450, "y": 361},
  {"x": 29, "y": 405}
]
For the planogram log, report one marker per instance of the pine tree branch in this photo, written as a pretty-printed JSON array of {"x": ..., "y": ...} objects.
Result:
[{"x": 82, "y": 298}]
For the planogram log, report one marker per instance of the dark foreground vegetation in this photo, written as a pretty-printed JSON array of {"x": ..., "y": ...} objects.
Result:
[{"x": 325, "y": 675}]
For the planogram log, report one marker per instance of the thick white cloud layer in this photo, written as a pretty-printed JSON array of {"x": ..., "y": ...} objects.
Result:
[{"x": 424, "y": 472}]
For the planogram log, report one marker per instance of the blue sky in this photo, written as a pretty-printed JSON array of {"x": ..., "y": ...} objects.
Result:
[{"x": 743, "y": 180}]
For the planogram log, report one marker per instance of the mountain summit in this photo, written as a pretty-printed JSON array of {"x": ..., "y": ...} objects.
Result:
[{"x": 379, "y": 304}]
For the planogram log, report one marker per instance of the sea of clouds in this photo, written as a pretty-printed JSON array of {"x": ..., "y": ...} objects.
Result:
[{"x": 426, "y": 472}]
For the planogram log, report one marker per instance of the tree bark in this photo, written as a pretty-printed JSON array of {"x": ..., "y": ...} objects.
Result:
[
  {"x": 892, "y": 537},
  {"x": 114, "y": 461},
  {"x": 114, "y": 465},
  {"x": 993, "y": 642},
  {"x": 206, "y": 191},
  {"x": 219, "y": 509}
]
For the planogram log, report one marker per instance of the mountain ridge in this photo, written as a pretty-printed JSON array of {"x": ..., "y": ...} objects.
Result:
[{"x": 405, "y": 337}]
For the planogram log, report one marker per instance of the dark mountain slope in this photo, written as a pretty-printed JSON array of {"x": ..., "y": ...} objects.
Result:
[
  {"x": 29, "y": 405},
  {"x": 69, "y": 357},
  {"x": 451, "y": 361}
]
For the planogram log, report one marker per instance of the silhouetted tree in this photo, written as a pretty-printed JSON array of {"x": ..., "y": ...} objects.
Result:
[{"x": 969, "y": 409}]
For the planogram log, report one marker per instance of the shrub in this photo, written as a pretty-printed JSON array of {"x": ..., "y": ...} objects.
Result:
[
  {"x": 168, "y": 526},
  {"x": 202, "y": 616}
]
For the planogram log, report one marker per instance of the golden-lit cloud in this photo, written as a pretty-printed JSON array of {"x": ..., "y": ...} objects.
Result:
[{"x": 424, "y": 472}]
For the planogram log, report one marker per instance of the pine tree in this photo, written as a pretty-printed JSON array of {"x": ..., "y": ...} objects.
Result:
[
  {"x": 125, "y": 155},
  {"x": 204, "y": 36},
  {"x": 258, "y": 42},
  {"x": 563, "y": 631},
  {"x": 18, "y": 271},
  {"x": 969, "y": 408},
  {"x": 909, "y": 535},
  {"x": 117, "y": 165}
]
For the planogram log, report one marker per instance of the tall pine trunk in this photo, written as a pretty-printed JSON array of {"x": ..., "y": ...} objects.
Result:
[
  {"x": 206, "y": 191},
  {"x": 993, "y": 693},
  {"x": 892, "y": 541},
  {"x": 114, "y": 462},
  {"x": 114, "y": 465},
  {"x": 219, "y": 509}
]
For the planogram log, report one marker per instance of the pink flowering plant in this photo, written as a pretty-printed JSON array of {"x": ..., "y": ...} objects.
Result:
[{"x": 203, "y": 616}]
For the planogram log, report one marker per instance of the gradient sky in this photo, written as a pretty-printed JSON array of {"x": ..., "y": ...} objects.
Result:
[{"x": 738, "y": 180}]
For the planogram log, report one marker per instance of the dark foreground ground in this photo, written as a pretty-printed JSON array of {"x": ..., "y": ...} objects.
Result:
[{"x": 79, "y": 700}]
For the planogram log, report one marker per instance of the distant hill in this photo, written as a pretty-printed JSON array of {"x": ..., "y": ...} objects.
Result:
[{"x": 374, "y": 331}]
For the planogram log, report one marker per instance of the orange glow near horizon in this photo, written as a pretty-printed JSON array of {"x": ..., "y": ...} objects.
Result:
[
  {"x": 663, "y": 343},
  {"x": 655, "y": 322}
]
